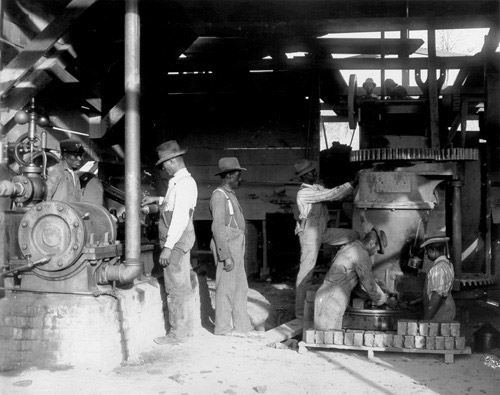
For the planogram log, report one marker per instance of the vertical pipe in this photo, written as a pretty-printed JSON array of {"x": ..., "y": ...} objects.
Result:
[
  {"x": 265, "y": 268},
  {"x": 405, "y": 76},
  {"x": 433, "y": 89},
  {"x": 382, "y": 70},
  {"x": 456, "y": 225},
  {"x": 132, "y": 133}
]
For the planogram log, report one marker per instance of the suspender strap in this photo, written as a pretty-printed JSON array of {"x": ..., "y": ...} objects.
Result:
[{"x": 230, "y": 207}]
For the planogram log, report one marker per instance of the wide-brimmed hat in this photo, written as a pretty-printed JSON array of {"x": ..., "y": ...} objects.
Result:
[
  {"x": 434, "y": 239},
  {"x": 304, "y": 166},
  {"x": 169, "y": 150},
  {"x": 382, "y": 239},
  {"x": 228, "y": 164},
  {"x": 71, "y": 146},
  {"x": 369, "y": 81}
]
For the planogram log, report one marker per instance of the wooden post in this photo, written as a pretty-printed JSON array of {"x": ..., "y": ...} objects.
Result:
[{"x": 433, "y": 90}]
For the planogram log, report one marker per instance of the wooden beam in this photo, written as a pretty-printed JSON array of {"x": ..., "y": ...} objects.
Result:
[
  {"x": 284, "y": 331},
  {"x": 457, "y": 62},
  {"x": 433, "y": 89},
  {"x": 112, "y": 117},
  {"x": 44, "y": 41},
  {"x": 344, "y": 25}
]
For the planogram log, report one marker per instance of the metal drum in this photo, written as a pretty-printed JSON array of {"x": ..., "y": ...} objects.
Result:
[
  {"x": 60, "y": 231},
  {"x": 376, "y": 319}
]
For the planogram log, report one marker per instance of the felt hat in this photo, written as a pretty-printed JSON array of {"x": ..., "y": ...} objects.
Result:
[
  {"x": 304, "y": 166},
  {"x": 382, "y": 239},
  {"x": 434, "y": 239},
  {"x": 229, "y": 164},
  {"x": 169, "y": 150},
  {"x": 369, "y": 81},
  {"x": 71, "y": 146}
]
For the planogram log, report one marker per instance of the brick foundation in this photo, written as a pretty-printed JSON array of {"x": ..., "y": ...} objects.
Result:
[{"x": 51, "y": 330}]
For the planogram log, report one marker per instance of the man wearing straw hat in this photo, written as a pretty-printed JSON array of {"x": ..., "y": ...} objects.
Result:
[
  {"x": 312, "y": 223},
  {"x": 177, "y": 237},
  {"x": 228, "y": 247}
]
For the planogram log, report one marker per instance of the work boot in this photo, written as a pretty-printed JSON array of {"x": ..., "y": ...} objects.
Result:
[{"x": 169, "y": 339}]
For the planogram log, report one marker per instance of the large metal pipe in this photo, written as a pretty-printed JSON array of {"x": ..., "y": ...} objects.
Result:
[{"x": 132, "y": 267}]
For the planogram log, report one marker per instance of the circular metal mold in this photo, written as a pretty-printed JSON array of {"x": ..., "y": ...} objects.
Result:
[{"x": 377, "y": 320}]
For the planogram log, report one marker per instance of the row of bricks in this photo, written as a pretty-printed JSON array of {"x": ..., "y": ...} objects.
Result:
[
  {"x": 383, "y": 339},
  {"x": 426, "y": 328}
]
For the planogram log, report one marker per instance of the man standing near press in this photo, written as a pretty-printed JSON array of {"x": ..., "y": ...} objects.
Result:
[
  {"x": 228, "y": 247},
  {"x": 177, "y": 237},
  {"x": 312, "y": 223},
  {"x": 63, "y": 184}
]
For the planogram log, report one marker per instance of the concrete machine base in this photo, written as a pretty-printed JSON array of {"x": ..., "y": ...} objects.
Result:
[{"x": 56, "y": 330}]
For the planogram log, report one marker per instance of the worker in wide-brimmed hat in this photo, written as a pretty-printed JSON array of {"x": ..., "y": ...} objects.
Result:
[
  {"x": 63, "y": 184},
  {"x": 228, "y": 247},
  {"x": 177, "y": 237},
  {"x": 311, "y": 226},
  {"x": 437, "y": 300},
  {"x": 352, "y": 266}
]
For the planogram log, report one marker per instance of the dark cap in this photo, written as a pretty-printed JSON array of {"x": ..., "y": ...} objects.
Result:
[{"x": 71, "y": 146}]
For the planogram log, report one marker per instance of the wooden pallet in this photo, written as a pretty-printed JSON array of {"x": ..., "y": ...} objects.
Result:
[{"x": 448, "y": 354}]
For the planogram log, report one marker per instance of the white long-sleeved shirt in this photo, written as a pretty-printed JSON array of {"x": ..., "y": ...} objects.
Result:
[
  {"x": 181, "y": 197},
  {"x": 315, "y": 193}
]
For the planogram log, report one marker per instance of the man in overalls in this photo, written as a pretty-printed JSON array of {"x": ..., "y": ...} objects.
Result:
[
  {"x": 438, "y": 302},
  {"x": 312, "y": 223},
  {"x": 228, "y": 247},
  {"x": 177, "y": 237}
]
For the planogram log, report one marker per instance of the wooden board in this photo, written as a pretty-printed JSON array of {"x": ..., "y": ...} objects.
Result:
[
  {"x": 447, "y": 353},
  {"x": 284, "y": 331}
]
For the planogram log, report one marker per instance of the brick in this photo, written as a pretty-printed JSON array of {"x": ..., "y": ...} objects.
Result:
[
  {"x": 449, "y": 343},
  {"x": 319, "y": 337},
  {"x": 358, "y": 337},
  {"x": 310, "y": 336},
  {"x": 455, "y": 329},
  {"x": 349, "y": 338},
  {"x": 358, "y": 303},
  {"x": 328, "y": 337},
  {"x": 412, "y": 329},
  {"x": 419, "y": 341},
  {"x": 430, "y": 342},
  {"x": 398, "y": 341},
  {"x": 460, "y": 343},
  {"x": 439, "y": 343},
  {"x": 379, "y": 339},
  {"x": 369, "y": 338},
  {"x": 338, "y": 337},
  {"x": 433, "y": 329},
  {"x": 445, "y": 329},
  {"x": 402, "y": 327},
  {"x": 409, "y": 341},
  {"x": 388, "y": 340},
  {"x": 423, "y": 328}
]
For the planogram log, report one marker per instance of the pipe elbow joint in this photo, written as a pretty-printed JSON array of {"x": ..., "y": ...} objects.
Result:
[{"x": 124, "y": 273}]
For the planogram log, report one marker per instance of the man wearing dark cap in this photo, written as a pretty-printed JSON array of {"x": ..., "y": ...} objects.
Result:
[
  {"x": 62, "y": 182},
  {"x": 352, "y": 265},
  {"x": 438, "y": 302},
  {"x": 228, "y": 247},
  {"x": 177, "y": 237},
  {"x": 312, "y": 223}
]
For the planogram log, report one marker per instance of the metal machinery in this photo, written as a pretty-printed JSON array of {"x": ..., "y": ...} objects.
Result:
[
  {"x": 51, "y": 246},
  {"x": 398, "y": 192}
]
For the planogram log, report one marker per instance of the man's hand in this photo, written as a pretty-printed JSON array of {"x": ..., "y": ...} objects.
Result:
[
  {"x": 149, "y": 200},
  {"x": 165, "y": 257},
  {"x": 381, "y": 301},
  {"x": 228, "y": 264}
]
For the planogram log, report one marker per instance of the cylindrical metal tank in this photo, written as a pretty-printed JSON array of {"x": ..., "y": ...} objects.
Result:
[
  {"x": 397, "y": 202},
  {"x": 60, "y": 231}
]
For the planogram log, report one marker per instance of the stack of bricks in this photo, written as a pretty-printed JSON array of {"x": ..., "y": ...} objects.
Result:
[{"x": 411, "y": 334}]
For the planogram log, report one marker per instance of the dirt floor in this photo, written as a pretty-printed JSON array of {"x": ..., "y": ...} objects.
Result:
[{"x": 223, "y": 365}]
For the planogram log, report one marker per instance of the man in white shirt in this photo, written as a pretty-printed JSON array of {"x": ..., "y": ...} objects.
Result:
[
  {"x": 312, "y": 225},
  {"x": 177, "y": 237}
]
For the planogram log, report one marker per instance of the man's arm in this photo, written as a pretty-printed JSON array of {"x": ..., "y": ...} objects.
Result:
[
  {"x": 435, "y": 303},
  {"x": 310, "y": 196},
  {"x": 363, "y": 267},
  {"x": 54, "y": 176},
  {"x": 218, "y": 205}
]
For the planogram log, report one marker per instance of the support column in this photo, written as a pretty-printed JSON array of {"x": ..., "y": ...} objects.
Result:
[
  {"x": 433, "y": 89},
  {"x": 456, "y": 226}
]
